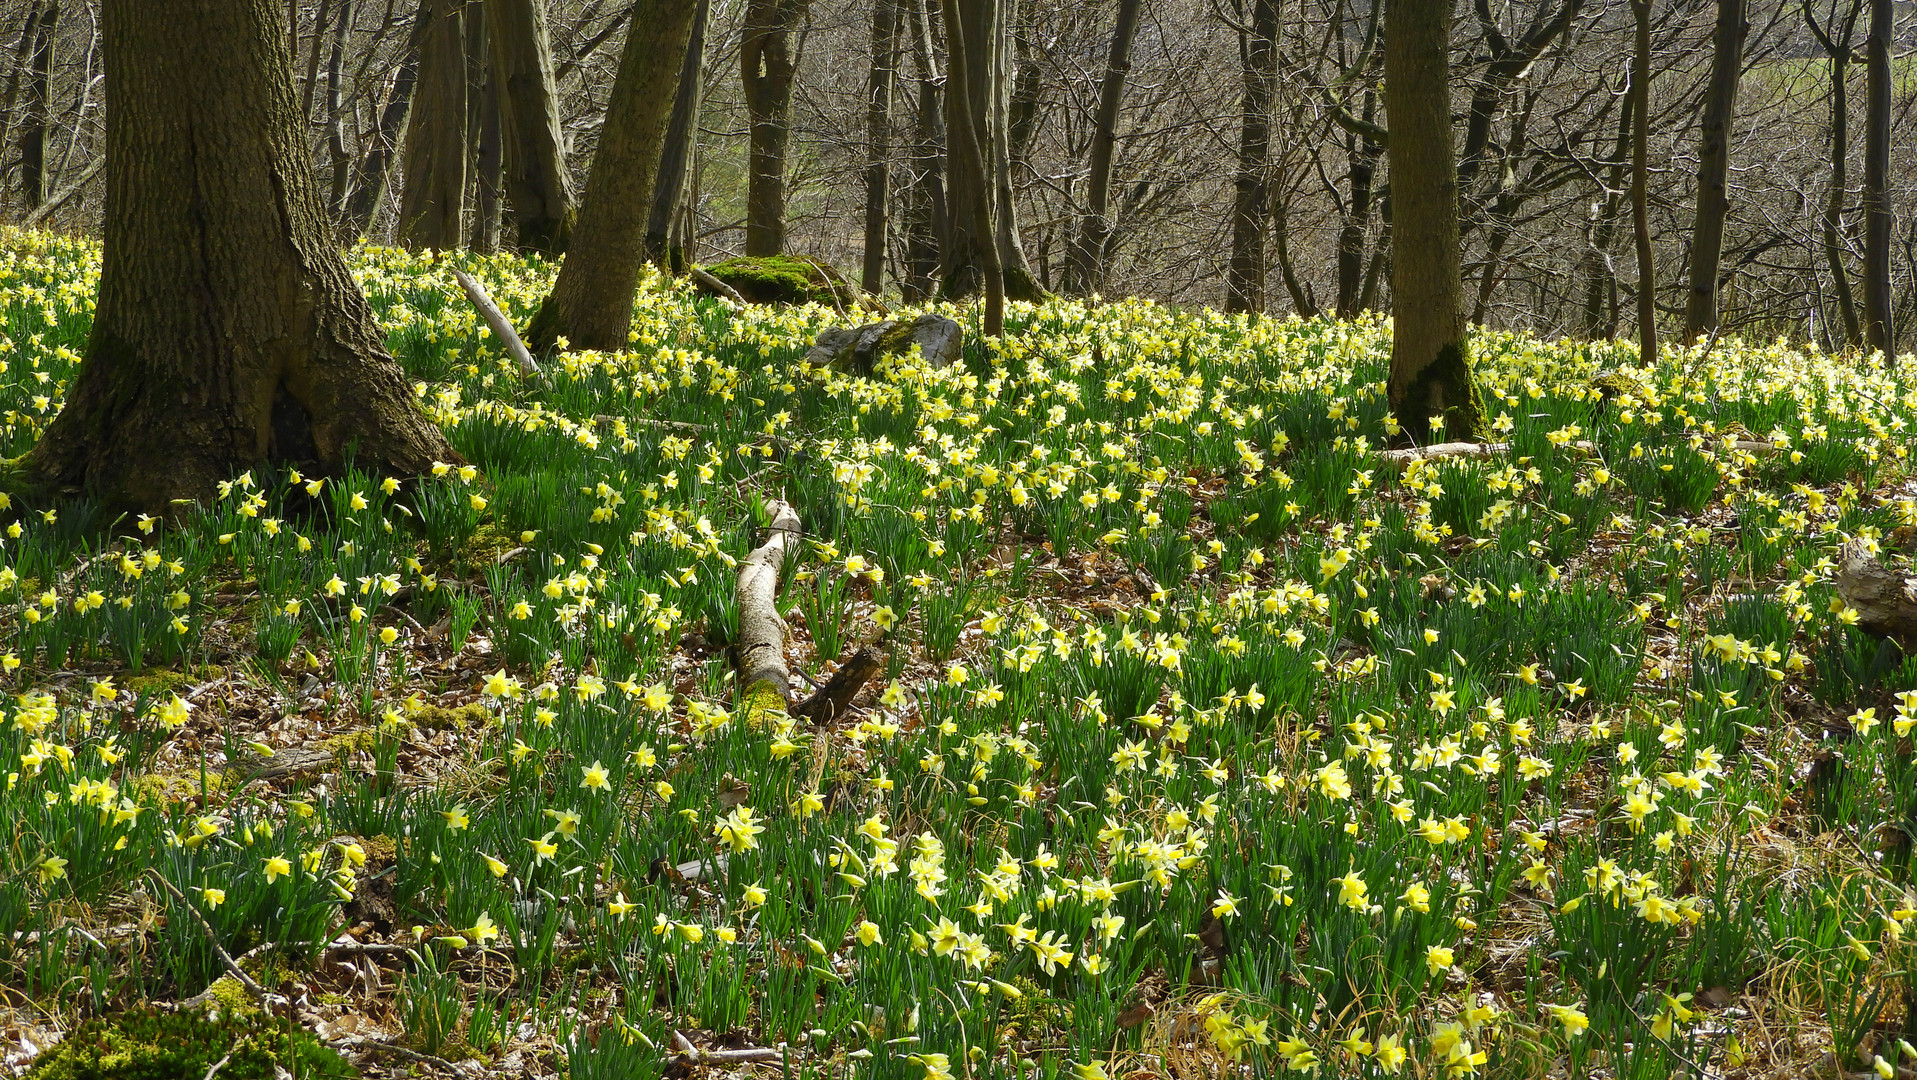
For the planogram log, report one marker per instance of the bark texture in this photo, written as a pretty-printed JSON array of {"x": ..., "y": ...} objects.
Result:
[
  {"x": 675, "y": 160},
  {"x": 228, "y": 330},
  {"x": 371, "y": 175},
  {"x": 759, "y": 653},
  {"x": 591, "y": 301},
  {"x": 878, "y": 124},
  {"x": 1713, "y": 169},
  {"x": 432, "y": 207},
  {"x": 1640, "y": 183},
  {"x": 39, "y": 105},
  {"x": 1430, "y": 384},
  {"x": 1251, "y": 202},
  {"x": 1830, "y": 226},
  {"x": 971, "y": 252},
  {"x": 1877, "y": 87},
  {"x": 532, "y": 140},
  {"x": 767, "y": 67},
  {"x": 926, "y": 222}
]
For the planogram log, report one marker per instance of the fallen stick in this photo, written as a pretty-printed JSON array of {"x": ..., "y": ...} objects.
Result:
[
  {"x": 830, "y": 701},
  {"x": 714, "y": 285},
  {"x": 502, "y": 327},
  {"x": 266, "y": 998},
  {"x": 743, "y": 1055},
  {"x": 646, "y": 421},
  {"x": 765, "y": 683}
]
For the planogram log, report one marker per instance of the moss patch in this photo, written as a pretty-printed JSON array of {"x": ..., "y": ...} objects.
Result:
[
  {"x": 785, "y": 279},
  {"x": 1444, "y": 385},
  {"x": 153, "y": 1045}
]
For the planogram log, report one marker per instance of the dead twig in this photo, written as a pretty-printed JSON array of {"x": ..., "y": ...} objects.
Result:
[{"x": 501, "y": 326}]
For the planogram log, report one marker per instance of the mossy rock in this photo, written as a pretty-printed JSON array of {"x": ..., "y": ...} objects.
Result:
[
  {"x": 148, "y": 1044},
  {"x": 785, "y": 279}
]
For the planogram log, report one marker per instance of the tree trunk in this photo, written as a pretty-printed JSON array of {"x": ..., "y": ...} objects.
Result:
[
  {"x": 483, "y": 125},
  {"x": 432, "y": 207},
  {"x": 972, "y": 256},
  {"x": 1258, "y": 57},
  {"x": 335, "y": 122},
  {"x": 675, "y": 161},
  {"x": 22, "y": 59},
  {"x": 878, "y": 124},
  {"x": 926, "y": 222},
  {"x": 1831, "y": 225},
  {"x": 591, "y": 301},
  {"x": 1430, "y": 383},
  {"x": 1600, "y": 285},
  {"x": 1713, "y": 169},
  {"x": 532, "y": 138},
  {"x": 1361, "y": 169},
  {"x": 234, "y": 333},
  {"x": 1877, "y": 133},
  {"x": 370, "y": 178},
  {"x": 33, "y": 130},
  {"x": 1015, "y": 270},
  {"x": 1084, "y": 272},
  {"x": 767, "y": 69},
  {"x": 1640, "y": 181}
]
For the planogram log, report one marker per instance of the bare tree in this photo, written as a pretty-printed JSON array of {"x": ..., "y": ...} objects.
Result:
[
  {"x": 1085, "y": 271},
  {"x": 1713, "y": 169},
  {"x": 538, "y": 183},
  {"x": 432, "y": 213}
]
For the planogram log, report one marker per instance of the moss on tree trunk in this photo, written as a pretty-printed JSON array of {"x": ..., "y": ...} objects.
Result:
[{"x": 228, "y": 330}]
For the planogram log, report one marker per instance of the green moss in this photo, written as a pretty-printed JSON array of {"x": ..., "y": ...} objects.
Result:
[
  {"x": 159, "y": 682},
  {"x": 151, "y": 1045},
  {"x": 363, "y": 741},
  {"x": 440, "y": 718},
  {"x": 1447, "y": 384},
  {"x": 784, "y": 279}
]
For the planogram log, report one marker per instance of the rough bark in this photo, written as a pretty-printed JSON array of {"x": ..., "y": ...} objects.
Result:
[
  {"x": 1430, "y": 383},
  {"x": 38, "y": 106},
  {"x": 1640, "y": 182},
  {"x": 1086, "y": 269},
  {"x": 483, "y": 126},
  {"x": 767, "y": 68},
  {"x": 1877, "y": 214},
  {"x": 971, "y": 253},
  {"x": 591, "y": 301},
  {"x": 371, "y": 176},
  {"x": 1831, "y": 222},
  {"x": 675, "y": 161},
  {"x": 1713, "y": 169},
  {"x": 432, "y": 206},
  {"x": 234, "y": 333},
  {"x": 532, "y": 139},
  {"x": 759, "y": 652},
  {"x": 926, "y": 222},
  {"x": 1251, "y": 201},
  {"x": 878, "y": 152}
]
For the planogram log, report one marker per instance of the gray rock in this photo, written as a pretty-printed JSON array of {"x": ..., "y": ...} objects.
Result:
[{"x": 859, "y": 348}]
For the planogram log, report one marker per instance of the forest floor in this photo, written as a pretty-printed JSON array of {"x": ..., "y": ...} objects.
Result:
[{"x": 1207, "y": 739}]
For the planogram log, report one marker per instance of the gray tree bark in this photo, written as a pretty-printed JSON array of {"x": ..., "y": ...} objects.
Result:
[
  {"x": 1085, "y": 271},
  {"x": 532, "y": 139},
  {"x": 1713, "y": 169},
  {"x": 433, "y": 204}
]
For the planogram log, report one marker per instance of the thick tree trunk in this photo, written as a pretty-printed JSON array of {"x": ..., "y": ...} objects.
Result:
[
  {"x": 1251, "y": 202},
  {"x": 432, "y": 207},
  {"x": 591, "y": 301},
  {"x": 1430, "y": 383},
  {"x": 483, "y": 126},
  {"x": 534, "y": 143},
  {"x": 971, "y": 254},
  {"x": 1713, "y": 169},
  {"x": 1085, "y": 270},
  {"x": 234, "y": 334},
  {"x": 675, "y": 161},
  {"x": 766, "y": 66},
  {"x": 926, "y": 222},
  {"x": 370, "y": 178},
  {"x": 33, "y": 129},
  {"x": 1877, "y": 133},
  {"x": 1640, "y": 183},
  {"x": 878, "y": 151}
]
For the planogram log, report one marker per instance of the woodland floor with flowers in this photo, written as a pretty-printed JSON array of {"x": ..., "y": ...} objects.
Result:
[{"x": 1209, "y": 741}]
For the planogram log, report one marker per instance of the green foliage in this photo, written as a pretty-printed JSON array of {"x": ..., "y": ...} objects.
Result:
[{"x": 151, "y": 1044}]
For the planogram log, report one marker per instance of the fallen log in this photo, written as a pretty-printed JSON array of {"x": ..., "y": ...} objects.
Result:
[
  {"x": 830, "y": 701},
  {"x": 501, "y": 326},
  {"x": 758, "y": 654},
  {"x": 1886, "y": 601}
]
